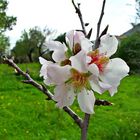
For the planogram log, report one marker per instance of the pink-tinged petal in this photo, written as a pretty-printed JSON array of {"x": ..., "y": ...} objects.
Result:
[
  {"x": 108, "y": 45},
  {"x": 93, "y": 69},
  {"x": 78, "y": 36},
  {"x": 114, "y": 71},
  {"x": 86, "y": 101},
  {"x": 43, "y": 70},
  {"x": 48, "y": 81},
  {"x": 57, "y": 74},
  {"x": 86, "y": 44},
  {"x": 42, "y": 60},
  {"x": 105, "y": 86},
  {"x": 64, "y": 95},
  {"x": 113, "y": 90},
  {"x": 95, "y": 85},
  {"x": 70, "y": 38},
  {"x": 55, "y": 45},
  {"x": 59, "y": 55},
  {"x": 59, "y": 50},
  {"x": 78, "y": 61}
]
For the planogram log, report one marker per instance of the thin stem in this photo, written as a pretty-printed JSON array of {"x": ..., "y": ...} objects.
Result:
[
  {"x": 78, "y": 11},
  {"x": 100, "y": 19},
  {"x": 99, "y": 25},
  {"x": 85, "y": 127}
]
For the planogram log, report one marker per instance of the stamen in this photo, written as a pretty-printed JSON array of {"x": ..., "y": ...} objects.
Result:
[
  {"x": 79, "y": 80},
  {"x": 99, "y": 59}
]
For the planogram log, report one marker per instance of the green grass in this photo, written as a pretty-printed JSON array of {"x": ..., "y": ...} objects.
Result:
[{"x": 25, "y": 114}]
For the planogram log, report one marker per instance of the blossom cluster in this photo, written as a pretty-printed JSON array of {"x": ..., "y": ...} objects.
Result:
[{"x": 78, "y": 71}]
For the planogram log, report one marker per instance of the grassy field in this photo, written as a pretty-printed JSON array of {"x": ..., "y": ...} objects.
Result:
[{"x": 26, "y": 115}]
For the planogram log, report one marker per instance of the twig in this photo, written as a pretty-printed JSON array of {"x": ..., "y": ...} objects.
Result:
[
  {"x": 99, "y": 23},
  {"x": 76, "y": 118},
  {"x": 85, "y": 127},
  {"x": 78, "y": 11},
  {"x": 100, "y": 19},
  {"x": 97, "y": 42},
  {"x": 30, "y": 81},
  {"x": 103, "y": 103},
  {"x": 89, "y": 34}
]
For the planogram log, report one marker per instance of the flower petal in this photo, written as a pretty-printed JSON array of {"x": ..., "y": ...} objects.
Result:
[
  {"x": 59, "y": 50},
  {"x": 57, "y": 74},
  {"x": 42, "y": 60},
  {"x": 78, "y": 36},
  {"x": 55, "y": 45},
  {"x": 104, "y": 85},
  {"x": 108, "y": 45},
  {"x": 78, "y": 61},
  {"x": 93, "y": 69},
  {"x": 95, "y": 85},
  {"x": 64, "y": 95},
  {"x": 59, "y": 55},
  {"x": 70, "y": 38},
  {"x": 86, "y": 101},
  {"x": 86, "y": 44},
  {"x": 113, "y": 90},
  {"x": 115, "y": 70},
  {"x": 43, "y": 70}
]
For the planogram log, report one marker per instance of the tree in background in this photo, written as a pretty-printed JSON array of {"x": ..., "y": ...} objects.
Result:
[
  {"x": 29, "y": 47},
  {"x": 4, "y": 45},
  {"x": 137, "y": 11},
  {"x": 6, "y": 23},
  {"x": 137, "y": 16},
  {"x": 129, "y": 51}
]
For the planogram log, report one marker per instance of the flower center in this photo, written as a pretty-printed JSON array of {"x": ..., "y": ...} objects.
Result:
[
  {"x": 99, "y": 59},
  {"x": 79, "y": 80}
]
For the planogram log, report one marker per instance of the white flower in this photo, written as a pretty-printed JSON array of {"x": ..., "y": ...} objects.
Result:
[
  {"x": 75, "y": 42},
  {"x": 111, "y": 71},
  {"x": 79, "y": 71}
]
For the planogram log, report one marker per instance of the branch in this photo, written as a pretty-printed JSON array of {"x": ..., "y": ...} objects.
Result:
[
  {"x": 30, "y": 81},
  {"x": 75, "y": 117},
  {"x": 99, "y": 23},
  {"x": 78, "y": 11},
  {"x": 100, "y": 19},
  {"x": 85, "y": 123},
  {"x": 85, "y": 127},
  {"x": 103, "y": 103},
  {"x": 97, "y": 42},
  {"x": 89, "y": 34}
]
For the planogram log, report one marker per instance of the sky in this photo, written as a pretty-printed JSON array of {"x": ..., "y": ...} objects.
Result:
[{"x": 59, "y": 15}]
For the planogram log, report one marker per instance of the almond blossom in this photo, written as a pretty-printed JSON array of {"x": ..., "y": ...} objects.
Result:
[
  {"x": 75, "y": 41},
  {"x": 79, "y": 71},
  {"x": 111, "y": 71}
]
